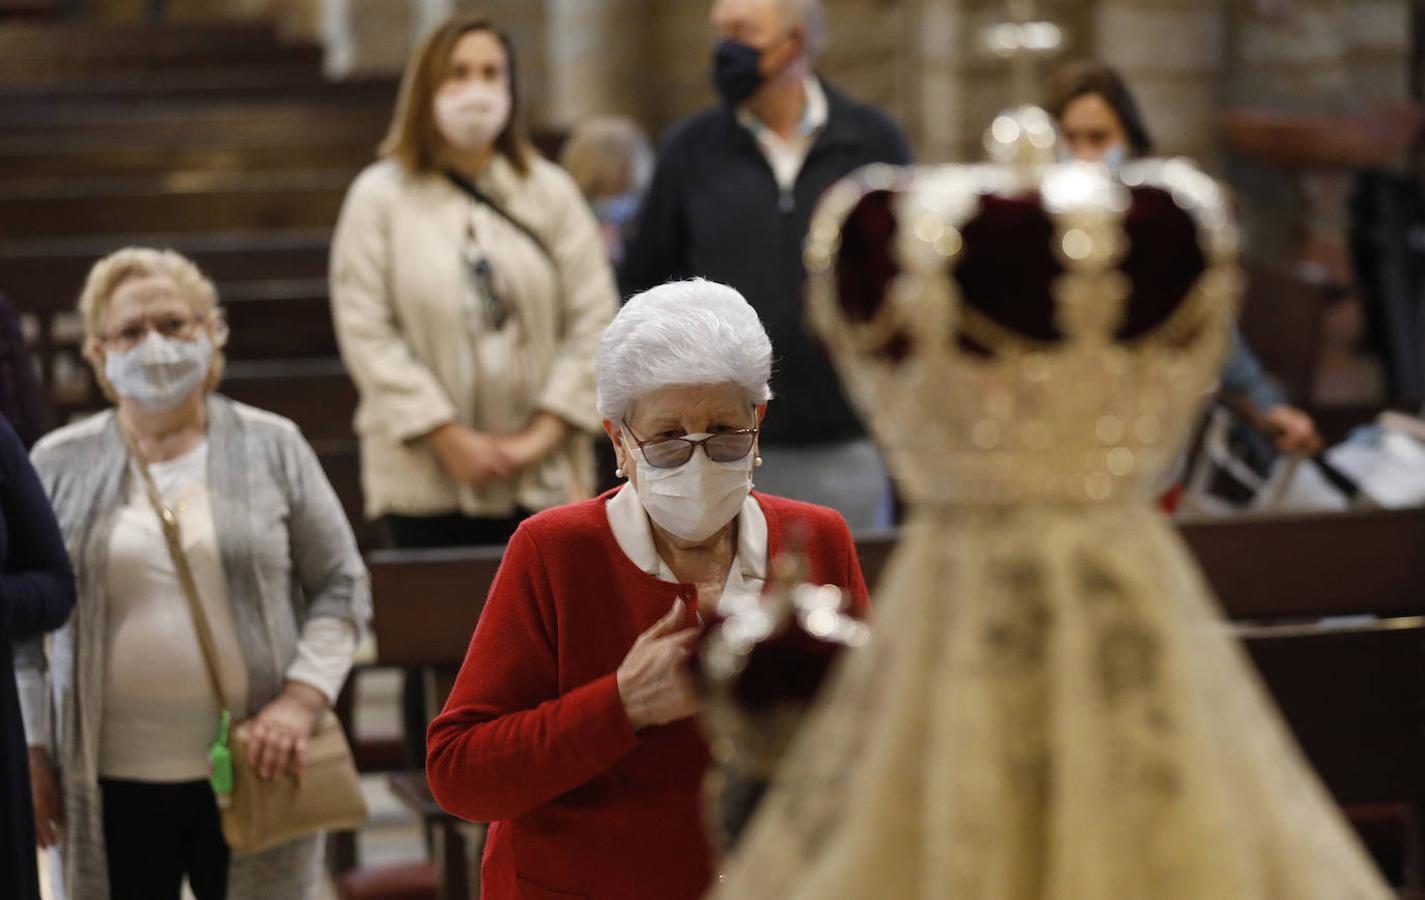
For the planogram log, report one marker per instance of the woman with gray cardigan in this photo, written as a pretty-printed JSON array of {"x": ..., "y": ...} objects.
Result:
[{"x": 124, "y": 717}]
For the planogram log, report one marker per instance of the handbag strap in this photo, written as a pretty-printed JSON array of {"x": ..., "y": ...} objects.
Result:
[
  {"x": 174, "y": 538},
  {"x": 469, "y": 188}
]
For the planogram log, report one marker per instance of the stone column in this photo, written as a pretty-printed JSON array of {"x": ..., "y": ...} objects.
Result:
[
  {"x": 598, "y": 59},
  {"x": 366, "y": 36},
  {"x": 1170, "y": 53},
  {"x": 934, "y": 80}
]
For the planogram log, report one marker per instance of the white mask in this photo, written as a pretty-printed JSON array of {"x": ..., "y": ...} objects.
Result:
[
  {"x": 472, "y": 117},
  {"x": 159, "y": 372},
  {"x": 695, "y": 500}
]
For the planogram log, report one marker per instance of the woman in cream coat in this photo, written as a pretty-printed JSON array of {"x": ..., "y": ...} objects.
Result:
[{"x": 469, "y": 288}]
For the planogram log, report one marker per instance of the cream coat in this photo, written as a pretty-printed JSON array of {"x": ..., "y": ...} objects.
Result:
[{"x": 407, "y": 318}]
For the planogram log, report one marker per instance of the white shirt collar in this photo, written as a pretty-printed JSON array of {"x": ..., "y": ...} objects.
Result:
[
  {"x": 634, "y": 534},
  {"x": 815, "y": 112}
]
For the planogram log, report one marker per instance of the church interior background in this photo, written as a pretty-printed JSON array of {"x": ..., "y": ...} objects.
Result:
[{"x": 1291, "y": 102}]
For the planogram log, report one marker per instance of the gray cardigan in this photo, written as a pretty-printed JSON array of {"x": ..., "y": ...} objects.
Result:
[{"x": 288, "y": 555}]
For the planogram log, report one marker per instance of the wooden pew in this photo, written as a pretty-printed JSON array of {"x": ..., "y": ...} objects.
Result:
[
  {"x": 58, "y": 167},
  {"x": 47, "y": 274},
  {"x": 1354, "y": 696},
  {"x": 265, "y": 201},
  {"x": 418, "y": 588},
  {"x": 98, "y": 39},
  {"x": 214, "y": 84},
  {"x": 39, "y": 60},
  {"x": 277, "y": 319},
  {"x": 18, "y": 10},
  {"x": 315, "y": 393},
  {"x": 195, "y": 122}
]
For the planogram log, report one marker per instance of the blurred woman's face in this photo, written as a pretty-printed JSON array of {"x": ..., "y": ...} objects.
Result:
[
  {"x": 147, "y": 303},
  {"x": 478, "y": 56},
  {"x": 472, "y": 104},
  {"x": 1091, "y": 129},
  {"x": 156, "y": 348}
]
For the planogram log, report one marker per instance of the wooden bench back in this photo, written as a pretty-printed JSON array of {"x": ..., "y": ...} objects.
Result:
[{"x": 1354, "y": 696}]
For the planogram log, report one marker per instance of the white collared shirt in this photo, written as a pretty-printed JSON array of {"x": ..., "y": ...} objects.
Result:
[
  {"x": 787, "y": 156},
  {"x": 634, "y": 534}
]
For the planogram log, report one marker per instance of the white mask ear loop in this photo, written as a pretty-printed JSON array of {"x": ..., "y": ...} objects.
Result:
[{"x": 619, "y": 471}]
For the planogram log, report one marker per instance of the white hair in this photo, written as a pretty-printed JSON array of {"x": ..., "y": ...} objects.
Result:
[
  {"x": 808, "y": 14},
  {"x": 682, "y": 333}
]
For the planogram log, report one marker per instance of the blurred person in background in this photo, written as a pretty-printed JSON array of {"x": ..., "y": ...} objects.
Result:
[
  {"x": 731, "y": 200},
  {"x": 1099, "y": 120},
  {"x": 121, "y": 716},
  {"x": 469, "y": 285},
  {"x": 610, "y": 159},
  {"x": 22, "y": 400},
  {"x": 36, "y": 595}
]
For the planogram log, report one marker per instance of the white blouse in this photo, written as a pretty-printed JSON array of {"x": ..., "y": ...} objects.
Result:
[
  {"x": 159, "y": 713},
  {"x": 634, "y": 535}
]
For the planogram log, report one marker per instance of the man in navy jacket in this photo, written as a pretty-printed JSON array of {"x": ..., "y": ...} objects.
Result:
[{"x": 731, "y": 201}]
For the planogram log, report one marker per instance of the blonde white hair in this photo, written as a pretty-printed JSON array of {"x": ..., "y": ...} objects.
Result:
[
  {"x": 142, "y": 262},
  {"x": 682, "y": 333},
  {"x": 808, "y": 14}
]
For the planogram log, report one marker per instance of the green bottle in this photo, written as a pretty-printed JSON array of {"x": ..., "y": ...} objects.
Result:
[{"x": 220, "y": 762}]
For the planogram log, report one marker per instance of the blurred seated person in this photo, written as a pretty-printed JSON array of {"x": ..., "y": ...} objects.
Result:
[
  {"x": 610, "y": 159},
  {"x": 1099, "y": 121},
  {"x": 570, "y": 725}
]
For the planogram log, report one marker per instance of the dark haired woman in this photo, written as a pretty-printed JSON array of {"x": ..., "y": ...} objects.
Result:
[{"x": 1099, "y": 120}]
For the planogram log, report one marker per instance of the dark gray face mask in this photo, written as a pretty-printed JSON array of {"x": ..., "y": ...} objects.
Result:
[{"x": 736, "y": 73}]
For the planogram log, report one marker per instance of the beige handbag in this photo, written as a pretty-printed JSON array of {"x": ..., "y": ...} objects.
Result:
[{"x": 259, "y": 814}]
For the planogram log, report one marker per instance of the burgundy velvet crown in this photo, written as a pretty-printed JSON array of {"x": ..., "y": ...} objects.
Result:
[{"x": 1007, "y": 265}]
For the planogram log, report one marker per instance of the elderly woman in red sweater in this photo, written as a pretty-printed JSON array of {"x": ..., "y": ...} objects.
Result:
[{"x": 570, "y": 726}]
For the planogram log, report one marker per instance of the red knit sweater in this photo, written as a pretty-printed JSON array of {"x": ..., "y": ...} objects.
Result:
[{"x": 534, "y": 737}]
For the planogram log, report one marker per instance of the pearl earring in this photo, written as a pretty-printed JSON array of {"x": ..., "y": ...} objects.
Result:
[
  {"x": 618, "y": 473},
  {"x": 757, "y": 462}
]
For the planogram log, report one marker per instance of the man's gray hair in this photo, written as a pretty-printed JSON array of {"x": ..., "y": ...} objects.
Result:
[
  {"x": 808, "y": 14},
  {"x": 682, "y": 333}
]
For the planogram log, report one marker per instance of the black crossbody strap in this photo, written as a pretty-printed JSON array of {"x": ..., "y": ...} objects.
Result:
[{"x": 468, "y": 187}]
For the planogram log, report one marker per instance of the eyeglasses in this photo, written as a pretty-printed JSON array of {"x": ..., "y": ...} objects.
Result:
[
  {"x": 492, "y": 304},
  {"x": 173, "y": 327},
  {"x": 670, "y": 453}
]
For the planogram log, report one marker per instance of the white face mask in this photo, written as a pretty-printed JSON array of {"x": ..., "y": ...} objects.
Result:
[
  {"x": 159, "y": 372},
  {"x": 473, "y": 116},
  {"x": 694, "y": 501}
]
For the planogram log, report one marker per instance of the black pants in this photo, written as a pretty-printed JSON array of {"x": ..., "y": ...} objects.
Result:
[
  {"x": 423, "y": 532},
  {"x": 156, "y": 834},
  {"x": 449, "y": 530}
]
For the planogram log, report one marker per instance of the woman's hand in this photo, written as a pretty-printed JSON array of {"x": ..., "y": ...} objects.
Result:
[
  {"x": 471, "y": 457},
  {"x": 537, "y": 441},
  {"x": 44, "y": 790},
  {"x": 277, "y": 736},
  {"x": 653, "y": 679},
  {"x": 1292, "y": 429}
]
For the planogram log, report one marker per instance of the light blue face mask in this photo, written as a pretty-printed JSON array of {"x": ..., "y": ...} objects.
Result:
[
  {"x": 617, "y": 211},
  {"x": 1113, "y": 157},
  {"x": 159, "y": 372}
]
